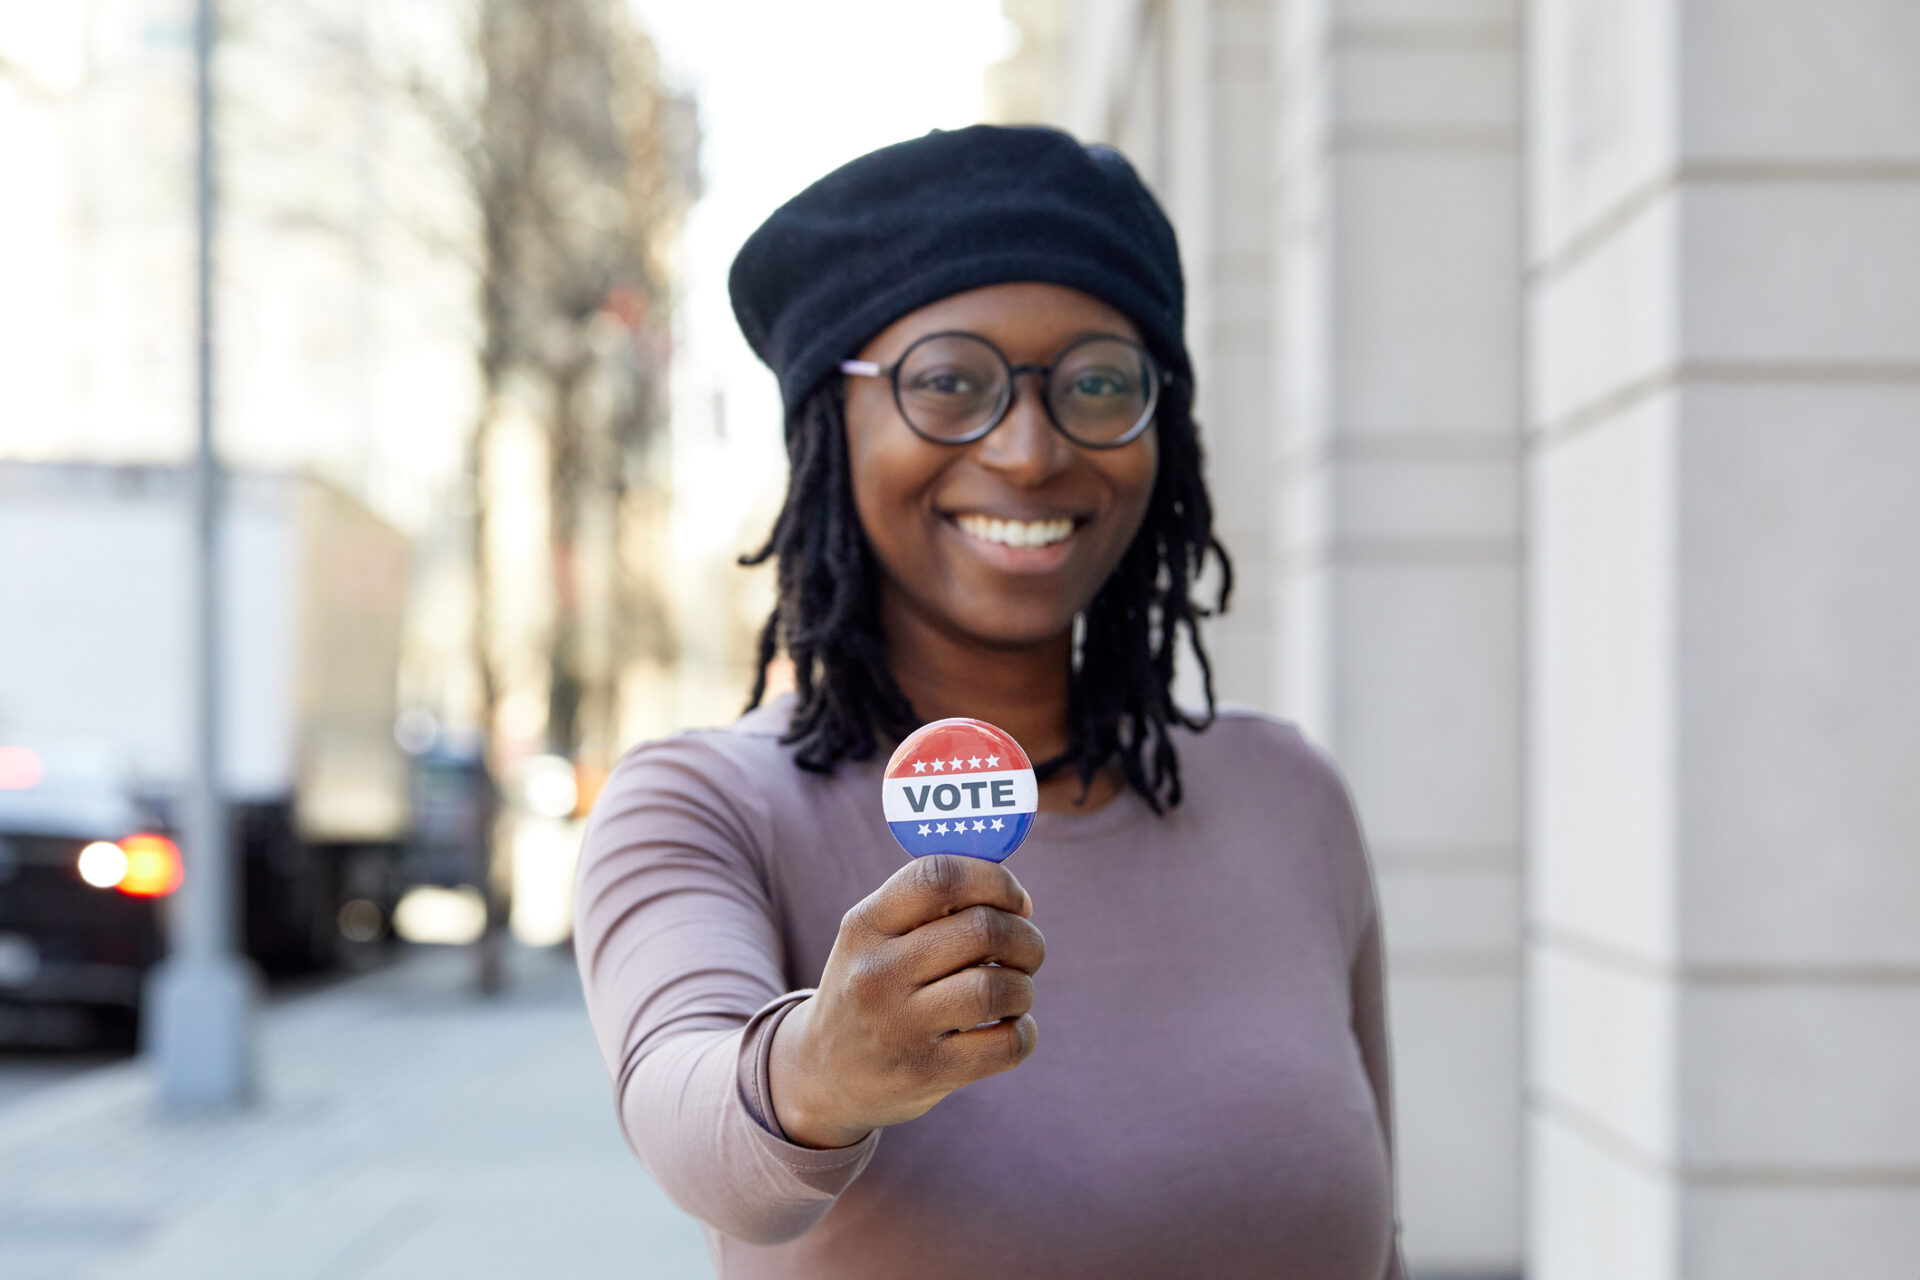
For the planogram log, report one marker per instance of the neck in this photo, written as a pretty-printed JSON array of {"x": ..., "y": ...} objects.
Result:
[{"x": 1020, "y": 688}]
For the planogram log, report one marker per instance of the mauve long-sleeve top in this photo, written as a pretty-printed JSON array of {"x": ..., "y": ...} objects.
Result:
[{"x": 1209, "y": 1095}]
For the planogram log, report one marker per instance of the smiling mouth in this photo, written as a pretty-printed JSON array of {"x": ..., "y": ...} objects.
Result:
[{"x": 1017, "y": 533}]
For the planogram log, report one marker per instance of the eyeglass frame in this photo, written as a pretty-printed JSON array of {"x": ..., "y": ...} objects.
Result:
[{"x": 891, "y": 372}]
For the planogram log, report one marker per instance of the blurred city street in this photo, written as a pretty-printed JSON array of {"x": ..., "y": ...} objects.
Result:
[{"x": 406, "y": 1128}]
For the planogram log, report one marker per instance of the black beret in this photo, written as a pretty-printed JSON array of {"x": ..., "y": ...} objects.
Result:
[{"x": 918, "y": 221}]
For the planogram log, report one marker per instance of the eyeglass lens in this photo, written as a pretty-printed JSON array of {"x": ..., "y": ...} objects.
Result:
[{"x": 952, "y": 385}]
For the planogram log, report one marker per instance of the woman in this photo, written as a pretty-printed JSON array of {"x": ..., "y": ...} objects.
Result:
[{"x": 834, "y": 1060}]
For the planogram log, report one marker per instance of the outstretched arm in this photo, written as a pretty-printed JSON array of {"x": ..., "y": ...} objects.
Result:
[{"x": 680, "y": 957}]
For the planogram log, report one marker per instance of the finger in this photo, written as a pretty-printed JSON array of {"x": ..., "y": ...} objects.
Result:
[
  {"x": 962, "y": 1001},
  {"x": 970, "y": 937},
  {"x": 938, "y": 885},
  {"x": 985, "y": 1051}
]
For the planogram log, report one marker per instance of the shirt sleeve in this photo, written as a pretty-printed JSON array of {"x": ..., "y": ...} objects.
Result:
[{"x": 680, "y": 951}]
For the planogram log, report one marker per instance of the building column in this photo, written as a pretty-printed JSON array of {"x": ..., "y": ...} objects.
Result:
[
  {"x": 1398, "y": 563},
  {"x": 1217, "y": 163},
  {"x": 1724, "y": 639},
  {"x": 1184, "y": 88}
]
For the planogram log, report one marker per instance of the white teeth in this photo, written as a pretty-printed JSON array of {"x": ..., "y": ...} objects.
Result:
[{"x": 1017, "y": 533}]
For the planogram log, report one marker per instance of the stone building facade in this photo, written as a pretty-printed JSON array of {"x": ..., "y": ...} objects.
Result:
[{"x": 1560, "y": 371}]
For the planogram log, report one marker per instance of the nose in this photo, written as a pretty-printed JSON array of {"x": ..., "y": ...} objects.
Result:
[{"x": 1025, "y": 448}]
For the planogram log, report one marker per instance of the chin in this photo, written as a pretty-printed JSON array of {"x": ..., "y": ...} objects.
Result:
[{"x": 1015, "y": 629}]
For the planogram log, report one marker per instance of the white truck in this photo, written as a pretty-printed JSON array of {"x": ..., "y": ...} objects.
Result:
[{"x": 95, "y": 607}]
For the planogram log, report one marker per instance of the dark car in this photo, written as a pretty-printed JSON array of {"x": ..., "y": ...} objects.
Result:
[{"x": 84, "y": 864}]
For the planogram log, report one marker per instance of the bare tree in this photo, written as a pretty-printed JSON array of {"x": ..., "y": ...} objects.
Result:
[{"x": 578, "y": 163}]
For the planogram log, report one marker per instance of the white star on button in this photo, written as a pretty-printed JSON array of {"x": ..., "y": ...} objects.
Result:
[{"x": 958, "y": 785}]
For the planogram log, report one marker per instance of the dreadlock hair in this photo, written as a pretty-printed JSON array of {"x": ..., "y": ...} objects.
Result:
[{"x": 1120, "y": 698}]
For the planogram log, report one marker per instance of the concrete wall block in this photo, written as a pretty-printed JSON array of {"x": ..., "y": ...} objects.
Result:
[
  {"x": 1304, "y": 36},
  {"x": 1801, "y": 1076},
  {"x": 1602, "y": 1046},
  {"x": 1243, "y": 88},
  {"x": 1243, "y": 110},
  {"x": 1426, "y": 690},
  {"x": 1306, "y": 613},
  {"x": 1243, "y": 221},
  {"x": 1439, "y": 914},
  {"x": 1107, "y": 33},
  {"x": 1427, "y": 271},
  {"x": 1799, "y": 272},
  {"x": 1461, "y": 504},
  {"x": 1306, "y": 510},
  {"x": 1601, "y": 703},
  {"x": 1592, "y": 1215},
  {"x": 1427, "y": 91},
  {"x": 1233, "y": 409},
  {"x": 1610, "y": 323},
  {"x": 1602, "y": 115},
  {"x": 1306, "y": 117},
  {"x": 1784, "y": 80},
  {"x": 1427, "y": 498},
  {"x": 1242, "y": 301},
  {"x": 1240, "y": 648},
  {"x": 1308, "y": 353},
  {"x": 1792, "y": 1232},
  {"x": 1800, "y": 674},
  {"x": 1457, "y": 1103},
  {"x": 1424, "y": 14},
  {"x": 1238, "y": 425}
]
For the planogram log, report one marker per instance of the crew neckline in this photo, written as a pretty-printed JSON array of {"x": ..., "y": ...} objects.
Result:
[{"x": 1054, "y": 824}]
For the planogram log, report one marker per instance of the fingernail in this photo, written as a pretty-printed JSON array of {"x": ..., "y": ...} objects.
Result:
[{"x": 1026, "y": 903}]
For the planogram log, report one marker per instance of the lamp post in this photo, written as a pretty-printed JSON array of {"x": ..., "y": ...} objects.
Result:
[{"x": 200, "y": 998}]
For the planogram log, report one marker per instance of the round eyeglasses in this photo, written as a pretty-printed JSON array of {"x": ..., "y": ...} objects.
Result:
[{"x": 953, "y": 388}]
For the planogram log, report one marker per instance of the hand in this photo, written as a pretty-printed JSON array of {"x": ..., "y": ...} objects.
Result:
[{"x": 896, "y": 1023}]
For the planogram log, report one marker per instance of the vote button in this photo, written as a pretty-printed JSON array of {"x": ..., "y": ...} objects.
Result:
[{"x": 960, "y": 786}]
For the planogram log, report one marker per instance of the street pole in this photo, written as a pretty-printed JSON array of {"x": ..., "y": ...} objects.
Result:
[{"x": 200, "y": 998}]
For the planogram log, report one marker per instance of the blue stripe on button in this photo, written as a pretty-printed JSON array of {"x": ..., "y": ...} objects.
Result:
[{"x": 992, "y": 845}]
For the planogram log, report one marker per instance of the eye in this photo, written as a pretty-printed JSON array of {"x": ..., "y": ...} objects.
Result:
[
  {"x": 944, "y": 382},
  {"x": 1093, "y": 384}
]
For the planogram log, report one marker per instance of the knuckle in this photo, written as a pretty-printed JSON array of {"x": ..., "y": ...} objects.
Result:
[
  {"x": 922, "y": 1063},
  {"x": 867, "y": 974},
  {"x": 986, "y": 929},
  {"x": 1013, "y": 1045},
  {"x": 989, "y": 991},
  {"x": 1026, "y": 1035},
  {"x": 939, "y": 875},
  {"x": 1037, "y": 941},
  {"x": 1000, "y": 1050},
  {"x": 858, "y": 917}
]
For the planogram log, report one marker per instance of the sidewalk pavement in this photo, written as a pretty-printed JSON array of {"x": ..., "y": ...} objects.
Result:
[{"x": 406, "y": 1129}]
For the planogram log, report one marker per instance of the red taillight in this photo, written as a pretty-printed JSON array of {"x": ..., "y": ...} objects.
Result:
[
  {"x": 153, "y": 867},
  {"x": 20, "y": 769}
]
